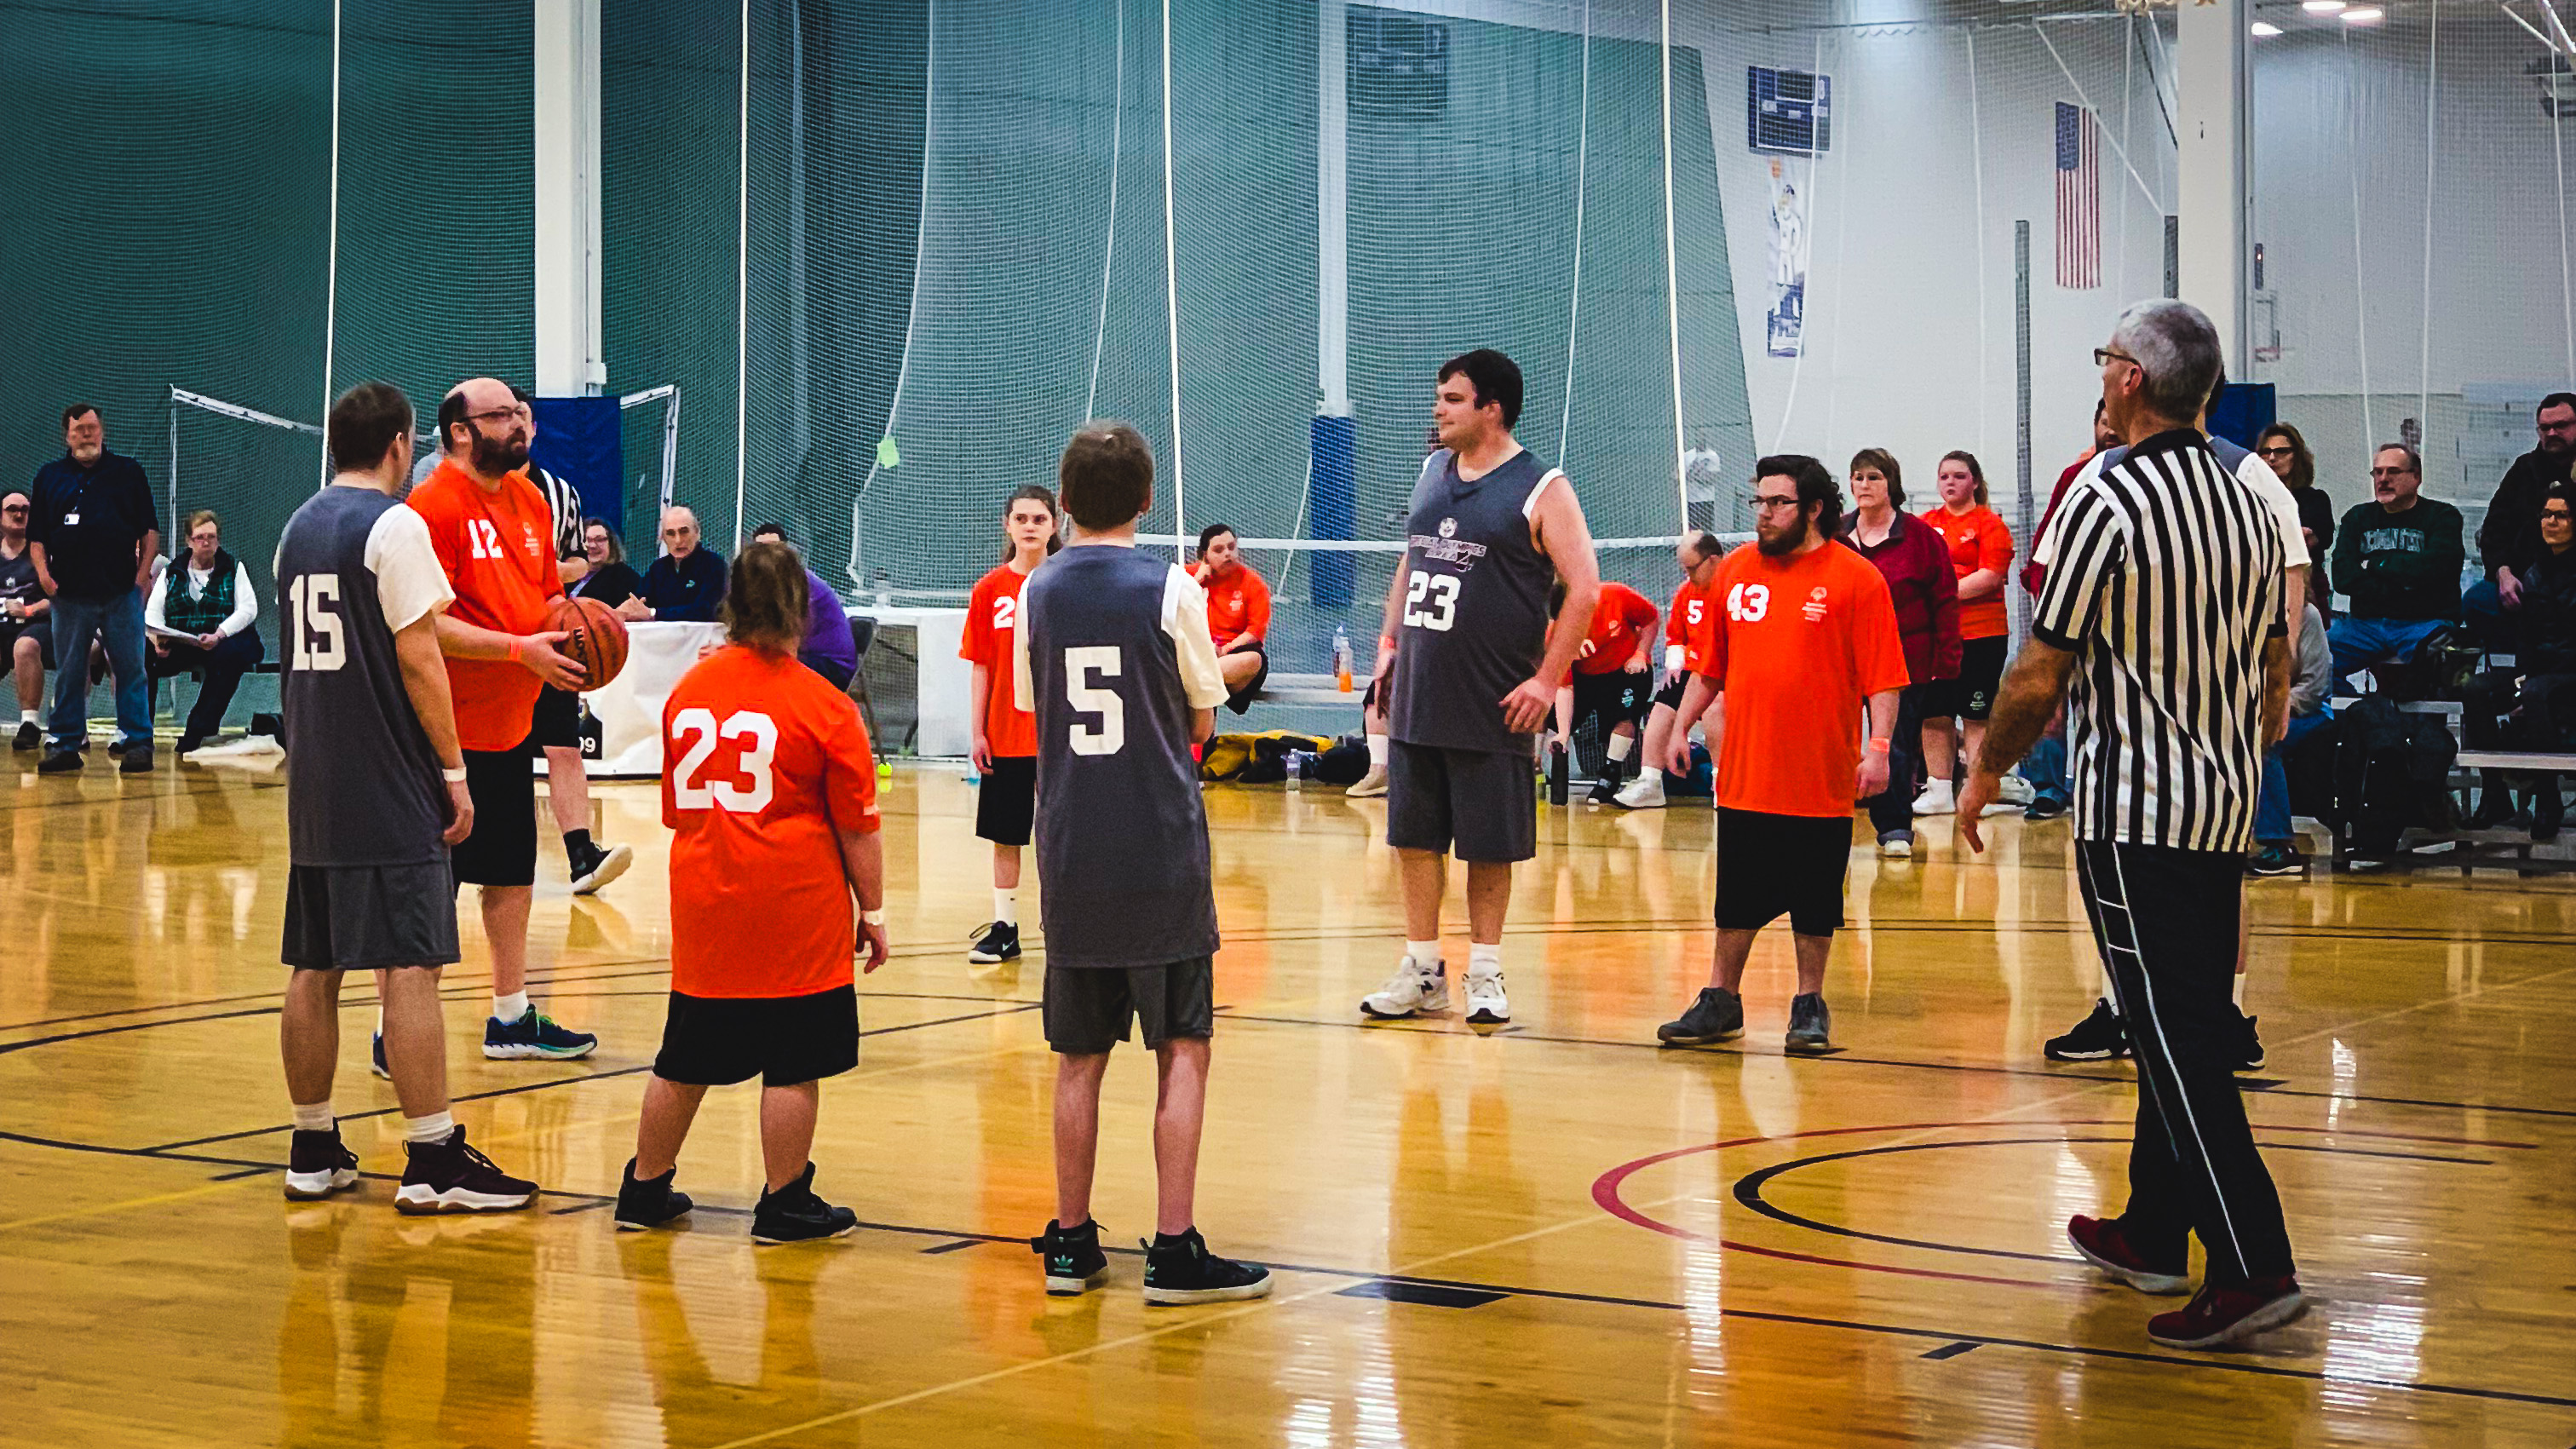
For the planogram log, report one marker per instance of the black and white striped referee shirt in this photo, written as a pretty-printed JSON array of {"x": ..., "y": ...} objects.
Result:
[
  {"x": 564, "y": 502},
  {"x": 2164, "y": 582}
]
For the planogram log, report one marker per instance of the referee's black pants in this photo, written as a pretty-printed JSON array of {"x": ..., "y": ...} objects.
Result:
[{"x": 2166, "y": 922}]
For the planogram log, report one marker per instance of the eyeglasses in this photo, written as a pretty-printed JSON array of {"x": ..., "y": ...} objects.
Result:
[
  {"x": 1761, "y": 503},
  {"x": 15, "y": 508},
  {"x": 2561, "y": 514},
  {"x": 2105, "y": 356},
  {"x": 516, "y": 414},
  {"x": 2392, "y": 472},
  {"x": 2283, "y": 451}
]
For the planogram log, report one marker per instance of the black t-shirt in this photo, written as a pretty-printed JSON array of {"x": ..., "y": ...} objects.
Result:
[
  {"x": 18, "y": 581},
  {"x": 90, "y": 520}
]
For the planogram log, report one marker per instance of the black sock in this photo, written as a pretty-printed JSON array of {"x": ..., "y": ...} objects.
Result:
[
  {"x": 1172, "y": 1240},
  {"x": 577, "y": 843}
]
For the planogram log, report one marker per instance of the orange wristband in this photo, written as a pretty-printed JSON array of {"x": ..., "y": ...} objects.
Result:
[
  {"x": 1877, "y": 747},
  {"x": 514, "y": 651}
]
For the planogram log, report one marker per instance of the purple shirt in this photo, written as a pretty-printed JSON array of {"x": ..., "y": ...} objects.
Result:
[{"x": 827, "y": 632}]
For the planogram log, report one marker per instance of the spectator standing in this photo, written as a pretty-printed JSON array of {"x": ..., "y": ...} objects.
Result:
[
  {"x": 1981, "y": 553},
  {"x": 1915, "y": 561},
  {"x": 199, "y": 618},
  {"x": 1238, "y": 606},
  {"x": 829, "y": 648},
  {"x": 2398, "y": 557},
  {"x": 611, "y": 580},
  {"x": 2162, "y": 609},
  {"x": 95, "y": 535},
  {"x": 2510, "y": 535},
  {"x": 686, "y": 583},
  {"x": 24, "y": 626}
]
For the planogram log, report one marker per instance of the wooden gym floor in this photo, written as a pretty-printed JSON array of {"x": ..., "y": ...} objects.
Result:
[{"x": 1557, "y": 1233}]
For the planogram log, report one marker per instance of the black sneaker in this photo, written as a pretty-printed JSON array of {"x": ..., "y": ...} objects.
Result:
[
  {"x": 450, "y": 1177},
  {"x": 138, "y": 759},
  {"x": 117, "y": 747},
  {"x": 996, "y": 942},
  {"x": 2096, "y": 1038},
  {"x": 317, "y": 1165},
  {"x": 2044, "y": 807},
  {"x": 2275, "y": 860},
  {"x": 596, "y": 867},
  {"x": 65, "y": 761},
  {"x": 188, "y": 745},
  {"x": 1715, "y": 1016},
  {"x": 2249, "y": 1049},
  {"x": 1605, "y": 791},
  {"x": 1074, "y": 1263},
  {"x": 1182, "y": 1270},
  {"x": 1810, "y": 1026},
  {"x": 648, "y": 1202},
  {"x": 793, "y": 1214},
  {"x": 30, "y": 737}
]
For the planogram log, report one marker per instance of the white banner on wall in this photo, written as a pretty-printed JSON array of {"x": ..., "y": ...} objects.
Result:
[{"x": 1788, "y": 264}]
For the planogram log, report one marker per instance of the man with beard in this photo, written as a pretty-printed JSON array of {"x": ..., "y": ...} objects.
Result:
[
  {"x": 2511, "y": 533},
  {"x": 1801, "y": 641},
  {"x": 494, "y": 535},
  {"x": 93, "y": 536}
]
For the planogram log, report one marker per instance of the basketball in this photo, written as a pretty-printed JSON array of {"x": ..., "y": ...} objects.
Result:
[{"x": 595, "y": 638}]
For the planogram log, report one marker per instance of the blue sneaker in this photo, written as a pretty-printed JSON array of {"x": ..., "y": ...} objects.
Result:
[
  {"x": 534, "y": 1035},
  {"x": 376, "y": 1059}
]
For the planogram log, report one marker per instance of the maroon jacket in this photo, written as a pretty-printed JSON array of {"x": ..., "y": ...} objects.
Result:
[{"x": 1916, "y": 564}]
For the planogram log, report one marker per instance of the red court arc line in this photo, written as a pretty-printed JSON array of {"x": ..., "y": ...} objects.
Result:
[{"x": 1607, "y": 1194}]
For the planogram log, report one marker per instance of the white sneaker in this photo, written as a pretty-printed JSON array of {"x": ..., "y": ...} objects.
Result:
[
  {"x": 1938, "y": 798},
  {"x": 1371, "y": 785},
  {"x": 1412, "y": 990},
  {"x": 1896, "y": 845},
  {"x": 1646, "y": 792},
  {"x": 2015, "y": 791},
  {"x": 1486, "y": 1003}
]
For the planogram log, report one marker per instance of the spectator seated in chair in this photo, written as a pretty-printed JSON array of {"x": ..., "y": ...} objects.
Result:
[
  {"x": 2510, "y": 536},
  {"x": 1238, "y": 605},
  {"x": 686, "y": 583},
  {"x": 2398, "y": 557},
  {"x": 611, "y": 580},
  {"x": 2530, "y": 706},
  {"x": 27, "y": 630},
  {"x": 830, "y": 649},
  {"x": 199, "y": 618},
  {"x": 2311, "y": 709},
  {"x": 1612, "y": 684}
]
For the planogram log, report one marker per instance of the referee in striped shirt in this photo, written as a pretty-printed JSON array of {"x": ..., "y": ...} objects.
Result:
[{"x": 2160, "y": 622}]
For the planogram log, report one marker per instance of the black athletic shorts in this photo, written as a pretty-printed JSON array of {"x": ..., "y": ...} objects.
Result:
[
  {"x": 40, "y": 630},
  {"x": 502, "y": 850},
  {"x": 1088, "y": 1007},
  {"x": 1612, "y": 697},
  {"x": 1769, "y": 866},
  {"x": 365, "y": 917},
  {"x": 1670, "y": 696},
  {"x": 1241, "y": 700},
  {"x": 1006, "y": 803},
  {"x": 1480, "y": 804},
  {"x": 558, "y": 722},
  {"x": 715, "y": 1041},
  {"x": 1972, "y": 694}
]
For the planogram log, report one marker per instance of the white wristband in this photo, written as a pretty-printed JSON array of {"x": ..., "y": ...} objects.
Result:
[
  {"x": 1673, "y": 659},
  {"x": 873, "y": 918},
  {"x": 455, "y": 776}
]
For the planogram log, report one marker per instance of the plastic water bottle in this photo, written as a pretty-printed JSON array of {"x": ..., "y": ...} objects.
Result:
[
  {"x": 1341, "y": 659},
  {"x": 1296, "y": 769}
]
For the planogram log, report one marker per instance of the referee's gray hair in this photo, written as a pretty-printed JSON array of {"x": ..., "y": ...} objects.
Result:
[{"x": 2177, "y": 349}]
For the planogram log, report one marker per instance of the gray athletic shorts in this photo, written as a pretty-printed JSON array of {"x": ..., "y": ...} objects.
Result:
[
  {"x": 1483, "y": 804},
  {"x": 1088, "y": 1007},
  {"x": 362, "y": 917}
]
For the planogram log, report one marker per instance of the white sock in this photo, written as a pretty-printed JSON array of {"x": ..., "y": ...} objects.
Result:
[
  {"x": 314, "y": 1117},
  {"x": 1006, "y": 905},
  {"x": 1619, "y": 747},
  {"x": 2239, "y": 993},
  {"x": 1378, "y": 751},
  {"x": 1483, "y": 960},
  {"x": 380, "y": 1021},
  {"x": 436, "y": 1127},
  {"x": 1425, "y": 954},
  {"x": 2110, "y": 993},
  {"x": 1650, "y": 772},
  {"x": 510, "y": 1007},
  {"x": 27, "y": 716}
]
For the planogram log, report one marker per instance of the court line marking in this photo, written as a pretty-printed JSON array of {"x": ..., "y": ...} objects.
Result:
[{"x": 204, "y": 1190}]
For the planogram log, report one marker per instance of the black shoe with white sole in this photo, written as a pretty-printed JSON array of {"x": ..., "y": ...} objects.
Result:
[
  {"x": 1180, "y": 1270},
  {"x": 2249, "y": 1049},
  {"x": 450, "y": 1177},
  {"x": 794, "y": 1214},
  {"x": 649, "y": 1202},
  {"x": 1715, "y": 1016},
  {"x": 998, "y": 941},
  {"x": 1811, "y": 1026},
  {"x": 29, "y": 737},
  {"x": 317, "y": 1165},
  {"x": 596, "y": 867},
  {"x": 2096, "y": 1038},
  {"x": 1074, "y": 1263}
]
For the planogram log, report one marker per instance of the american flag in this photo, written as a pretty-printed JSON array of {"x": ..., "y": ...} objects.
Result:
[{"x": 2079, "y": 199}]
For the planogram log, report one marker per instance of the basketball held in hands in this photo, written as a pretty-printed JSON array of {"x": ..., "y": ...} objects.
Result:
[{"x": 594, "y": 638}]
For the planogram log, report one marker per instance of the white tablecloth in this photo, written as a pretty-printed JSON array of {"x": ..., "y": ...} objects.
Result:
[{"x": 629, "y": 709}]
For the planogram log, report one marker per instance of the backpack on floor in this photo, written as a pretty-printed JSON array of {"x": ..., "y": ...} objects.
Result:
[
  {"x": 1255, "y": 759},
  {"x": 1700, "y": 783},
  {"x": 2392, "y": 770},
  {"x": 1344, "y": 763}
]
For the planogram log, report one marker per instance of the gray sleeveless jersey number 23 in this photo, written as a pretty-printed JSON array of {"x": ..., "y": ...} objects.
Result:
[{"x": 1472, "y": 623}]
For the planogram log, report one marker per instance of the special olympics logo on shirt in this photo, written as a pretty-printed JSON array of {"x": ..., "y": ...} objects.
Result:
[
  {"x": 1448, "y": 528},
  {"x": 1815, "y": 605}
]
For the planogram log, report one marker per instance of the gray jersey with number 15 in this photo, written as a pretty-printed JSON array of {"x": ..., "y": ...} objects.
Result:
[{"x": 363, "y": 786}]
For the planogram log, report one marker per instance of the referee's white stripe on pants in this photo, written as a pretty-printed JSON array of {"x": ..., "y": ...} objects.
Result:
[{"x": 2164, "y": 1044}]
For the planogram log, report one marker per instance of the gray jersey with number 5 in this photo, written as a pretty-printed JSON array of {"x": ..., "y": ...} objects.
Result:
[
  {"x": 363, "y": 787},
  {"x": 1113, "y": 657},
  {"x": 1472, "y": 623}
]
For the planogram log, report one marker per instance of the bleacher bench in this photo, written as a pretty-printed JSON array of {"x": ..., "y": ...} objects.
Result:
[{"x": 1311, "y": 689}]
